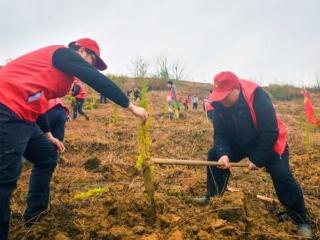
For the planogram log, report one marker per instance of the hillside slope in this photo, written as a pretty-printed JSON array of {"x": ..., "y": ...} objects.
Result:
[{"x": 124, "y": 212}]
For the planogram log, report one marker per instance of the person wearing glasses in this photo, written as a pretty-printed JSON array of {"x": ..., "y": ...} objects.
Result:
[{"x": 27, "y": 84}]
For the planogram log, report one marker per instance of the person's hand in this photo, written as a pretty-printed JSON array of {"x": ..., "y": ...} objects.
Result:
[
  {"x": 55, "y": 141},
  {"x": 224, "y": 162},
  {"x": 138, "y": 111},
  {"x": 252, "y": 166}
]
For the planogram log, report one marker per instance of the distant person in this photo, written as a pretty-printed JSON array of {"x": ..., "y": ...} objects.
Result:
[
  {"x": 172, "y": 100},
  {"x": 130, "y": 94},
  {"x": 246, "y": 125},
  {"x": 27, "y": 84},
  {"x": 186, "y": 103},
  {"x": 191, "y": 98},
  {"x": 195, "y": 101},
  {"x": 209, "y": 107},
  {"x": 103, "y": 99},
  {"x": 78, "y": 91},
  {"x": 137, "y": 94}
]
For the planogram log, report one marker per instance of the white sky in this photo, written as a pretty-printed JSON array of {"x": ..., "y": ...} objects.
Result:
[{"x": 262, "y": 40}]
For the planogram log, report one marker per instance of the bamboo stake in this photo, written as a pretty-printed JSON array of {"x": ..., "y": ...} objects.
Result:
[
  {"x": 267, "y": 199},
  {"x": 148, "y": 183},
  {"x": 231, "y": 189},
  {"x": 192, "y": 162}
]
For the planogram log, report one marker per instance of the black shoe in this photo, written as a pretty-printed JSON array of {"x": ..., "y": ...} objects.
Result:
[
  {"x": 305, "y": 231},
  {"x": 201, "y": 200}
]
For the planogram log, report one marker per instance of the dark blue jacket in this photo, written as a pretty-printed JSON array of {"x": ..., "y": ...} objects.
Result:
[{"x": 234, "y": 129}]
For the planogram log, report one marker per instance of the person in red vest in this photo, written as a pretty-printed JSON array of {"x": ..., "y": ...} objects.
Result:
[
  {"x": 172, "y": 94},
  {"x": 79, "y": 92},
  {"x": 186, "y": 103},
  {"x": 246, "y": 125},
  {"x": 27, "y": 84}
]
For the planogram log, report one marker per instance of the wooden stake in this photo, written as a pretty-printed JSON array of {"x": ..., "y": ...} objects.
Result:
[
  {"x": 267, "y": 199},
  {"x": 231, "y": 189},
  {"x": 148, "y": 183},
  {"x": 192, "y": 162}
]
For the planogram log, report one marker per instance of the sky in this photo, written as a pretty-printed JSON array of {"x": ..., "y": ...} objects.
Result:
[{"x": 268, "y": 41}]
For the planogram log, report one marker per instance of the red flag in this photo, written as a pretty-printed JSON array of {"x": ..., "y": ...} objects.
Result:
[{"x": 308, "y": 108}]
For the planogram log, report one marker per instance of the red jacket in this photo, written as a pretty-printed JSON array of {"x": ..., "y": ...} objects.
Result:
[
  {"x": 248, "y": 89},
  {"x": 28, "y": 82}
]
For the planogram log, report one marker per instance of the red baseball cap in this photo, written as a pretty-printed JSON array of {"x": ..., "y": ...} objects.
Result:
[
  {"x": 94, "y": 47},
  {"x": 223, "y": 84}
]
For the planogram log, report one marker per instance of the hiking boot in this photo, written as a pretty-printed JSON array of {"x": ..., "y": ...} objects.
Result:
[
  {"x": 201, "y": 200},
  {"x": 305, "y": 231}
]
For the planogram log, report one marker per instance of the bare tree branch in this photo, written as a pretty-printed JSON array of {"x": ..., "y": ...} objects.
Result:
[
  {"x": 178, "y": 70},
  {"x": 139, "y": 67}
]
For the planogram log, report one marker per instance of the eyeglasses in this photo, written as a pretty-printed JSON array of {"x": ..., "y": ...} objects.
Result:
[{"x": 93, "y": 56}]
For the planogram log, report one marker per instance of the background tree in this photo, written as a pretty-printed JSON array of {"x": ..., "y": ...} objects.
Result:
[
  {"x": 139, "y": 67},
  {"x": 178, "y": 71},
  {"x": 162, "y": 67}
]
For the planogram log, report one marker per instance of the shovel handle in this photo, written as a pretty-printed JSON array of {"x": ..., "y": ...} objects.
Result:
[{"x": 192, "y": 162}]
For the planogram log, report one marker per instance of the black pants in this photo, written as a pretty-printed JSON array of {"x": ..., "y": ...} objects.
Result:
[
  {"x": 288, "y": 190},
  {"x": 20, "y": 138},
  {"x": 77, "y": 108},
  {"x": 103, "y": 98},
  {"x": 195, "y": 106}
]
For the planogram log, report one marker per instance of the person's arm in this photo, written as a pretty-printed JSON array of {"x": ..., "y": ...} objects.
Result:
[
  {"x": 70, "y": 62},
  {"x": 43, "y": 123},
  {"x": 267, "y": 127},
  {"x": 219, "y": 137}
]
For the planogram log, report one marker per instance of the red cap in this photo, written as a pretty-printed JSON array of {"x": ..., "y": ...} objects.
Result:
[
  {"x": 94, "y": 47},
  {"x": 223, "y": 84}
]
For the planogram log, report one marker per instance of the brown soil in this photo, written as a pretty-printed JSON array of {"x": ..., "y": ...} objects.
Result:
[{"x": 124, "y": 212}]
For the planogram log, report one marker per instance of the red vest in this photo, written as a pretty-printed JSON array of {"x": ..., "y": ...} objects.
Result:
[
  {"x": 248, "y": 89},
  {"x": 82, "y": 92},
  {"x": 57, "y": 101},
  {"x": 28, "y": 82},
  {"x": 170, "y": 96}
]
